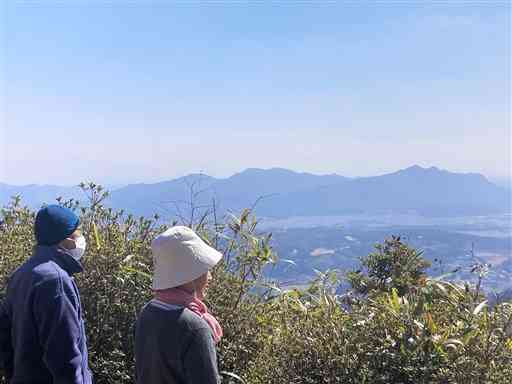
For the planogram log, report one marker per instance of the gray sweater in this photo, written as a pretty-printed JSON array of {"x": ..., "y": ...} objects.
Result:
[{"x": 174, "y": 346}]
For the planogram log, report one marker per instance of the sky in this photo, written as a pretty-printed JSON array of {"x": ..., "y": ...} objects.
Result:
[{"x": 142, "y": 91}]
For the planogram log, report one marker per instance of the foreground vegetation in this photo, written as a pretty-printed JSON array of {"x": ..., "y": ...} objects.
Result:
[{"x": 396, "y": 325}]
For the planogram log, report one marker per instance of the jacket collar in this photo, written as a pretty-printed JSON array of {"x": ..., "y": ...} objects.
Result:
[{"x": 59, "y": 256}]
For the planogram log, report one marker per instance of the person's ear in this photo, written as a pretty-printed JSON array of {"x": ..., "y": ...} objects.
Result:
[{"x": 67, "y": 244}]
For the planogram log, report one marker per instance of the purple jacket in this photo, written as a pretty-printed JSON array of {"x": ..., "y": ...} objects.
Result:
[{"x": 42, "y": 335}]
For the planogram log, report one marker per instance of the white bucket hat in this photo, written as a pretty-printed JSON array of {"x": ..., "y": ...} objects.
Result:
[{"x": 180, "y": 256}]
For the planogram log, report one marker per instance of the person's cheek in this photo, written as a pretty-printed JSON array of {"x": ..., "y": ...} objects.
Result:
[{"x": 204, "y": 290}]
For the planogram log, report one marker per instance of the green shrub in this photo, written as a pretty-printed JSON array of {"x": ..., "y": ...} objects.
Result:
[{"x": 393, "y": 265}]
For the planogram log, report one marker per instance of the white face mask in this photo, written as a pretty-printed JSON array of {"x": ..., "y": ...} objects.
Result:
[{"x": 80, "y": 245}]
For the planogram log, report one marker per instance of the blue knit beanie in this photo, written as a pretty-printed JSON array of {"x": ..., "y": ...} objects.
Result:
[{"x": 54, "y": 223}]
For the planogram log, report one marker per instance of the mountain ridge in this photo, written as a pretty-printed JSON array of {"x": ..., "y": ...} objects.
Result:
[{"x": 280, "y": 192}]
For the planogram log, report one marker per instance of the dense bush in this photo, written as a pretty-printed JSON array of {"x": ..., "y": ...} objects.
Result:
[{"x": 395, "y": 326}]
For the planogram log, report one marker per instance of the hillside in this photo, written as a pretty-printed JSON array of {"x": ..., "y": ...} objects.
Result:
[
  {"x": 427, "y": 191},
  {"x": 283, "y": 193}
]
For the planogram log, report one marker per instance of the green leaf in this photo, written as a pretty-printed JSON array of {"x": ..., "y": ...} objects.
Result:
[
  {"x": 133, "y": 270},
  {"x": 479, "y": 307},
  {"x": 395, "y": 299},
  {"x": 233, "y": 376},
  {"x": 454, "y": 342}
]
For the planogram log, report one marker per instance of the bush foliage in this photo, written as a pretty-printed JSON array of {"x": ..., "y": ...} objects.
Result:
[{"x": 395, "y": 325}]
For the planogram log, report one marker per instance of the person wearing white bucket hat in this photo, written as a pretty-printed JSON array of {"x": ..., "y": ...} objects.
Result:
[{"x": 175, "y": 334}]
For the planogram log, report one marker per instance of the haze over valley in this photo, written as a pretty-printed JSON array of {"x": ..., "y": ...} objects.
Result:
[{"x": 328, "y": 221}]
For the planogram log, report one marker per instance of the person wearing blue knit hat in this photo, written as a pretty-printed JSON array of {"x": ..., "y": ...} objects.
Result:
[{"x": 47, "y": 345}]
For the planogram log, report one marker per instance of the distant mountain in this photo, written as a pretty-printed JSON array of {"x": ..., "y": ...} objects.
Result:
[
  {"x": 234, "y": 193},
  {"x": 279, "y": 192},
  {"x": 165, "y": 198},
  {"x": 427, "y": 191},
  {"x": 35, "y": 195},
  {"x": 503, "y": 182}
]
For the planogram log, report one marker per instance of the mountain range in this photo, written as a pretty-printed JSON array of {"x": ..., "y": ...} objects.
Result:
[{"x": 280, "y": 193}]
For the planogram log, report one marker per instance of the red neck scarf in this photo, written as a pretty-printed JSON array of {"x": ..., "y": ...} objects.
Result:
[{"x": 177, "y": 296}]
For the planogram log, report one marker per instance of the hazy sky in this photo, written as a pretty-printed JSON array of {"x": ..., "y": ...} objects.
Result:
[{"x": 128, "y": 91}]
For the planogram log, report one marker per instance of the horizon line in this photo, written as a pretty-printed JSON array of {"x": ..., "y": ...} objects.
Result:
[{"x": 200, "y": 173}]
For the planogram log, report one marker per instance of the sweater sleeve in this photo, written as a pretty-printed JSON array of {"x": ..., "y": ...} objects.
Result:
[
  {"x": 6, "y": 351},
  {"x": 59, "y": 329},
  {"x": 200, "y": 360}
]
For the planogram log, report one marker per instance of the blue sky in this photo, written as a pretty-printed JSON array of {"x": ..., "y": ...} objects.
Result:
[{"x": 130, "y": 91}]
